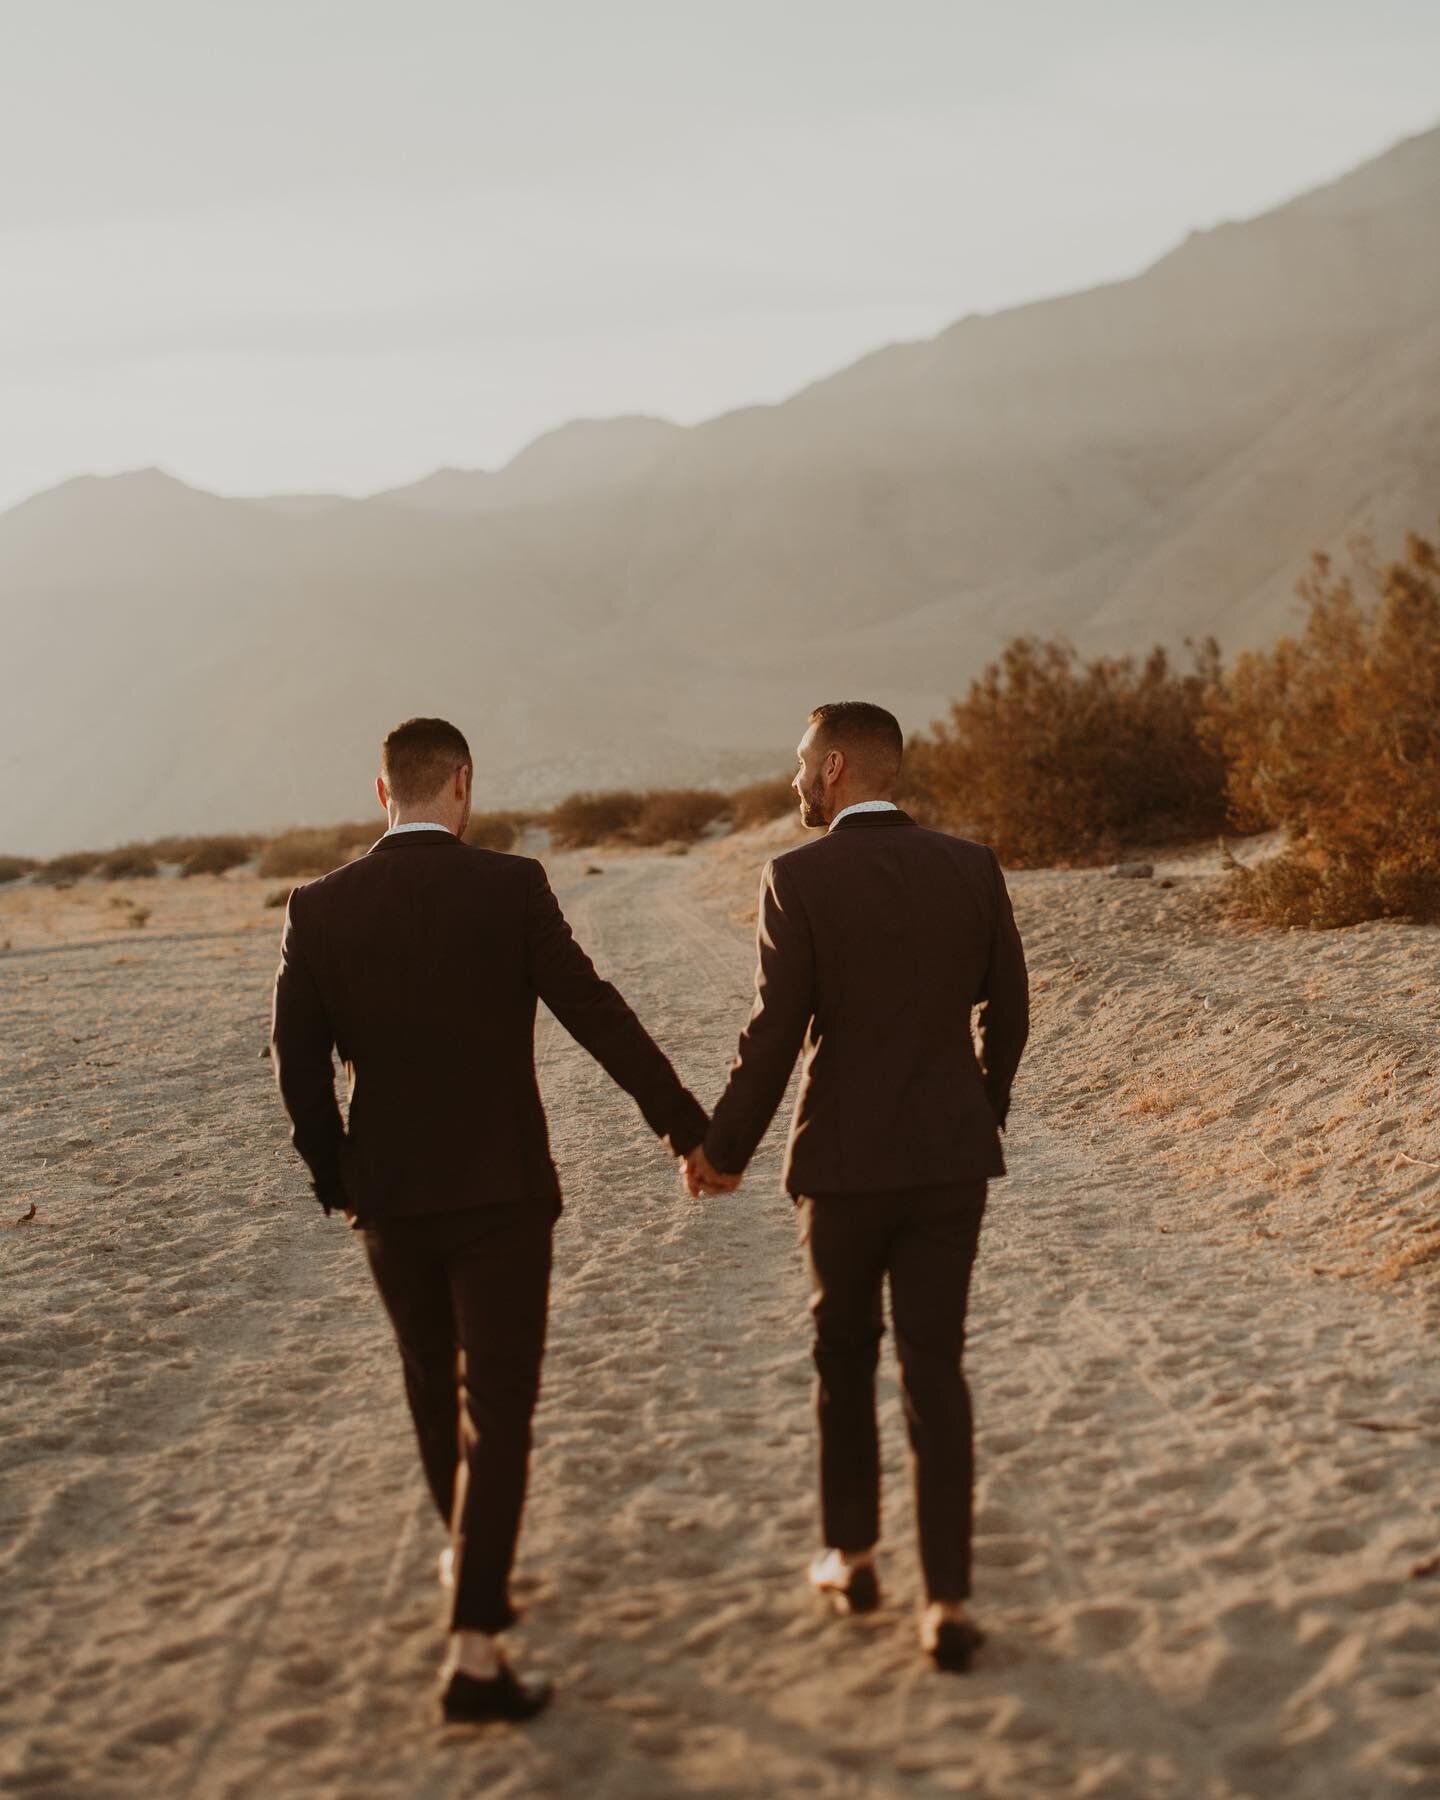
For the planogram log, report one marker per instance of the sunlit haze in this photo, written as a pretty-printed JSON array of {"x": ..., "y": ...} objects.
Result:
[{"x": 332, "y": 246}]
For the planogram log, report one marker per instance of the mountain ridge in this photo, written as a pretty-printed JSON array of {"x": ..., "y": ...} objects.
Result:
[{"x": 1149, "y": 459}]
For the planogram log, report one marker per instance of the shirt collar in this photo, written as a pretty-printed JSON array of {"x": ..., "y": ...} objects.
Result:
[
  {"x": 417, "y": 825},
  {"x": 864, "y": 806}
]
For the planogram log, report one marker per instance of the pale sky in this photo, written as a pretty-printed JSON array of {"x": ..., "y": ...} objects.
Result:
[{"x": 331, "y": 244}]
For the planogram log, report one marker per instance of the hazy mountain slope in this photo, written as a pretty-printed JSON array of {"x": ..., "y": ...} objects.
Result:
[
  {"x": 1360, "y": 456},
  {"x": 628, "y": 600},
  {"x": 587, "y": 456}
]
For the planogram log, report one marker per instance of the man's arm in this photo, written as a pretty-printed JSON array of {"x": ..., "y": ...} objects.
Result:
[
  {"x": 1005, "y": 1020},
  {"x": 596, "y": 1016},
  {"x": 301, "y": 1041},
  {"x": 784, "y": 1005}
]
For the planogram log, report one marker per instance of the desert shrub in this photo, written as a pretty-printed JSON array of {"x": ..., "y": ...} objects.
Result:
[
  {"x": 916, "y": 789},
  {"x": 1051, "y": 759},
  {"x": 495, "y": 830},
  {"x": 675, "y": 816},
  {"x": 70, "y": 867},
  {"x": 130, "y": 861},
  {"x": 13, "y": 868},
  {"x": 584, "y": 819},
  {"x": 1335, "y": 735},
  {"x": 207, "y": 855},
  {"x": 761, "y": 802},
  {"x": 316, "y": 850},
  {"x": 279, "y": 896}
]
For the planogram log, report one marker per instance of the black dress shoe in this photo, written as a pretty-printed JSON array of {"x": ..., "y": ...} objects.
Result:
[
  {"x": 952, "y": 1644},
  {"x": 507, "y": 1695}
]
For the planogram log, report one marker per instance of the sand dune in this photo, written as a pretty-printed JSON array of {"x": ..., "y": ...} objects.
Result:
[{"x": 1207, "y": 1472}]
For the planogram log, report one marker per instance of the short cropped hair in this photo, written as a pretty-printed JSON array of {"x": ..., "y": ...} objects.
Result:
[
  {"x": 420, "y": 756},
  {"x": 869, "y": 736}
]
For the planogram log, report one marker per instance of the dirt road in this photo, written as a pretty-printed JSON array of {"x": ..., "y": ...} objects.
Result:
[{"x": 1206, "y": 1477}]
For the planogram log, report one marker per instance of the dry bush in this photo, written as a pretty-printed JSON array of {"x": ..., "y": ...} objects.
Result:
[
  {"x": 130, "y": 861},
  {"x": 675, "y": 816},
  {"x": 279, "y": 896},
  {"x": 70, "y": 867},
  {"x": 584, "y": 819},
  {"x": 206, "y": 855},
  {"x": 1053, "y": 760},
  {"x": 14, "y": 868},
  {"x": 495, "y": 830},
  {"x": 316, "y": 850},
  {"x": 916, "y": 791},
  {"x": 1336, "y": 737},
  {"x": 761, "y": 802}
]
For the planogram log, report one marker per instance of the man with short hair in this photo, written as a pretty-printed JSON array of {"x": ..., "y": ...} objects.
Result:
[
  {"x": 876, "y": 942},
  {"x": 422, "y": 962}
]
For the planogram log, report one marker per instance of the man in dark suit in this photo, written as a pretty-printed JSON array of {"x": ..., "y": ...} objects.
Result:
[
  {"x": 422, "y": 962},
  {"x": 875, "y": 945}
]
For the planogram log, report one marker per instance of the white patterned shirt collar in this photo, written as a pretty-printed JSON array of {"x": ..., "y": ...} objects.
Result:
[
  {"x": 864, "y": 806},
  {"x": 417, "y": 825}
]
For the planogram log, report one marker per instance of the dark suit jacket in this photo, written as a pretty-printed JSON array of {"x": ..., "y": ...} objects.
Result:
[
  {"x": 876, "y": 942},
  {"x": 422, "y": 961}
]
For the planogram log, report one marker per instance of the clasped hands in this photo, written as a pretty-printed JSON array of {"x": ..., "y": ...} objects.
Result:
[{"x": 701, "y": 1177}]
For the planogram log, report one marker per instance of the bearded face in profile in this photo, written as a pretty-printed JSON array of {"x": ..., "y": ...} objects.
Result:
[{"x": 812, "y": 800}]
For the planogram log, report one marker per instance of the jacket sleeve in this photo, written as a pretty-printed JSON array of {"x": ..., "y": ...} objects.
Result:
[
  {"x": 779, "y": 1018},
  {"x": 596, "y": 1016},
  {"x": 301, "y": 1042},
  {"x": 1005, "y": 997}
]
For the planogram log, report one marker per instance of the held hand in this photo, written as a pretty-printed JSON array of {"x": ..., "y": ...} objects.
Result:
[{"x": 701, "y": 1177}]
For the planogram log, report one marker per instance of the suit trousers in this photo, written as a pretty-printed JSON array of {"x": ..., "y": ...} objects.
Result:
[
  {"x": 468, "y": 1293},
  {"x": 924, "y": 1241}
]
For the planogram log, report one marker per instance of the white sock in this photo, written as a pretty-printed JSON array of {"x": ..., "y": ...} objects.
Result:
[{"x": 473, "y": 1653}]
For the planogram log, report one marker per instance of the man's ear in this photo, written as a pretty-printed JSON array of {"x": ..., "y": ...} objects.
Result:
[
  {"x": 834, "y": 766},
  {"x": 381, "y": 794}
]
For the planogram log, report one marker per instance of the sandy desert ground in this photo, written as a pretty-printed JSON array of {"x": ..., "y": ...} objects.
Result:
[{"x": 1202, "y": 1350}]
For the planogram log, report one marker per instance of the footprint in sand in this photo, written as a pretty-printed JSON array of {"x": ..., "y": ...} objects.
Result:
[
  {"x": 305, "y": 1731},
  {"x": 309, "y": 1672},
  {"x": 1097, "y": 1630},
  {"x": 1015, "y": 1553},
  {"x": 164, "y": 1728},
  {"x": 185, "y": 1649},
  {"x": 1329, "y": 1540},
  {"x": 1071, "y": 1412}
]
